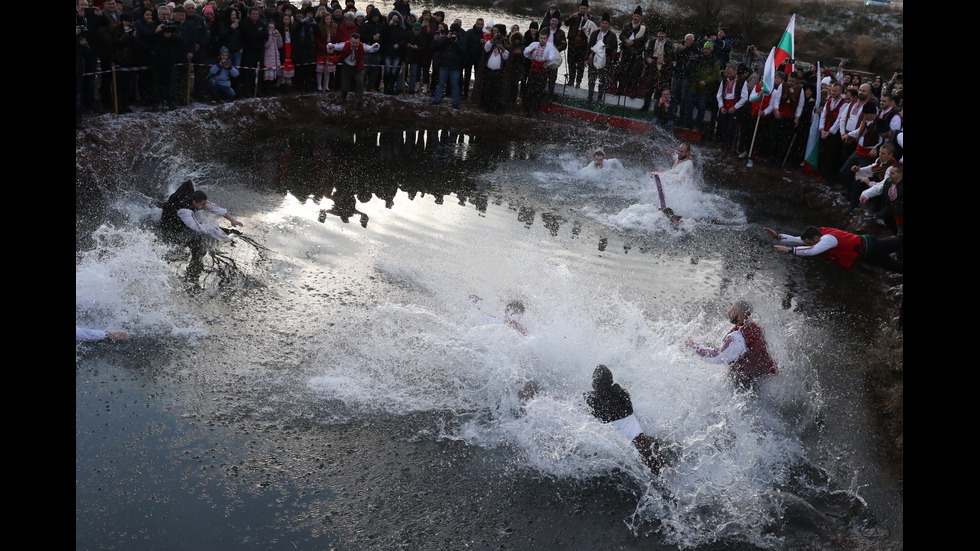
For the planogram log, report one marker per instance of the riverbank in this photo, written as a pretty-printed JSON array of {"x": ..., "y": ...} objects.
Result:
[{"x": 112, "y": 144}]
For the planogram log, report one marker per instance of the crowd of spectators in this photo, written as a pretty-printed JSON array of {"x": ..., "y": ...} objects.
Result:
[{"x": 161, "y": 56}]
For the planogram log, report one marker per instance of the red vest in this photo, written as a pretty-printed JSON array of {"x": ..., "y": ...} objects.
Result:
[
  {"x": 729, "y": 103},
  {"x": 358, "y": 55},
  {"x": 849, "y": 249},
  {"x": 757, "y": 360},
  {"x": 788, "y": 101},
  {"x": 832, "y": 115},
  {"x": 868, "y": 140},
  {"x": 760, "y": 104}
]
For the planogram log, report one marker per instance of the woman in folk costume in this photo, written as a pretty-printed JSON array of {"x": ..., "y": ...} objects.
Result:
[
  {"x": 287, "y": 71},
  {"x": 326, "y": 62}
]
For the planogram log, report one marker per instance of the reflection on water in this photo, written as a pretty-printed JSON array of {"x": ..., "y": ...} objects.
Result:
[{"x": 359, "y": 358}]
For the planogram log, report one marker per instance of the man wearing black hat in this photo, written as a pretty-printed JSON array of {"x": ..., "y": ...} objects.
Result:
[
  {"x": 580, "y": 29},
  {"x": 866, "y": 143},
  {"x": 602, "y": 46},
  {"x": 556, "y": 37},
  {"x": 632, "y": 41}
]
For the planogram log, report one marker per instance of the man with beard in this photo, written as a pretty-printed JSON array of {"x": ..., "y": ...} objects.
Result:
[
  {"x": 743, "y": 349},
  {"x": 851, "y": 118},
  {"x": 683, "y": 167}
]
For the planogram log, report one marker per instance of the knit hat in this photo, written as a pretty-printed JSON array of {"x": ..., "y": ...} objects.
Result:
[
  {"x": 416, "y": 26},
  {"x": 709, "y": 45}
]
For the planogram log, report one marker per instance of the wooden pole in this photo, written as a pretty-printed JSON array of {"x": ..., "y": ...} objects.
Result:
[
  {"x": 115, "y": 91},
  {"x": 758, "y": 117},
  {"x": 190, "y": 75},
  {"x": 790, "y": 148}
]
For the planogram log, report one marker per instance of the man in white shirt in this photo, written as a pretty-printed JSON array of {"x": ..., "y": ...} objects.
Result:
[{"x": 600, "y": 162}]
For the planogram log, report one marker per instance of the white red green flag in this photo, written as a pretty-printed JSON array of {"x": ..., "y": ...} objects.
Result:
[
  {"x": 768, "y": 78},
  {"x": 784, "y": 50}
]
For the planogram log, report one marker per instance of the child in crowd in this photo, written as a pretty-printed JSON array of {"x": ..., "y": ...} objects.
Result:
[{"x": 221, "y": 74}]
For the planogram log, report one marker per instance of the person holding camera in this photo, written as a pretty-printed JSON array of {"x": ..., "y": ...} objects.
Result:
[
  {"x": 497, "y": 53},
  {"x": 580, "y": 29},
  {"x": 125, "y": 46},
  {"x": 167, "y": 50},
  {"x": 93, "y": 28},
  {"x": 221, "y": 74},
  {"x": 451, "y": 53}
]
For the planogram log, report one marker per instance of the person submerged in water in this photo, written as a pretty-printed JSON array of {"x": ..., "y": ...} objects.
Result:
[
  {"x": 600, "y": 162},
  {"x": 610, "y": 403},
  {"x": 88, "y": 335},
  {"x": 512, "y": 314}
]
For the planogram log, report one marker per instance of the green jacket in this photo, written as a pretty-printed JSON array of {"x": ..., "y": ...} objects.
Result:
[{"x": 710, "y": 72}]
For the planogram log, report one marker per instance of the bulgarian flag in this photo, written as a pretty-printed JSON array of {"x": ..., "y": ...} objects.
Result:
[
  {"x": 768, "y": 78},
  {"x": 813, "y": 142},
  {"x": 784, "y": 50}
]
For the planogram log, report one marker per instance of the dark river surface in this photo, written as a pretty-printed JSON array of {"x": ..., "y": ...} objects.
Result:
[{"x": 328, "y": 385}]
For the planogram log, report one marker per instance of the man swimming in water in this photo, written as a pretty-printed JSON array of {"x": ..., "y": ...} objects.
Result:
[
  {"x": 744, "y": 348},
  {"x": 180, "y": 225},
  {"x": 610, "y": 403},
  {"x": 512, "y": 314},
  {"x": 683, "y": 168},
  {"x": 85, "y": 334},
  {"x": 599, "y": 162}
]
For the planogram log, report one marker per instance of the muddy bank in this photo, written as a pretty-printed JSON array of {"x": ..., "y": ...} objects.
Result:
[{"x": 112, "y": 144}]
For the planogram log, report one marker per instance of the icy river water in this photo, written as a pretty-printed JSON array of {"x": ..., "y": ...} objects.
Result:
[{"x": 329, "y": 384}]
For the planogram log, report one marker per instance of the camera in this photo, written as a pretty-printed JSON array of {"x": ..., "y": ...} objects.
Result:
[{"x": 170, "y": 26}]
